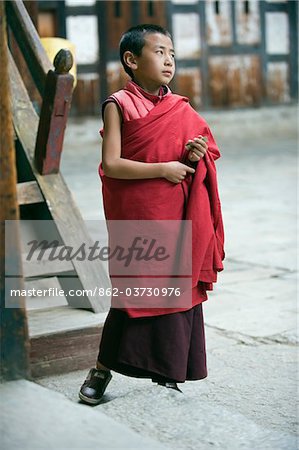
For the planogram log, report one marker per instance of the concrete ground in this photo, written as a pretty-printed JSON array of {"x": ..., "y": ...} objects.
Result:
[{"x": 248, "y": 400}]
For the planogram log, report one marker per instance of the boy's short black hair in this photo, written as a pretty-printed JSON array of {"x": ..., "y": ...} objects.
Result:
[{"x": 133, "y": 41}]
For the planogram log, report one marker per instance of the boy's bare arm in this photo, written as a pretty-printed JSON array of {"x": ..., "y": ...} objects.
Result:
[{"x": 117, "y": 167}]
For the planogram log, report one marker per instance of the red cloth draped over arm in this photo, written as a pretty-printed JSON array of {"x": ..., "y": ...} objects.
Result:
[{"x": 161, "y": 136}]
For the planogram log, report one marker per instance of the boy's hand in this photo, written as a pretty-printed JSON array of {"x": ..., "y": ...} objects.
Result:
[
  {"x": 175, "y": 171},
  {"x": 197, "y": 148}
]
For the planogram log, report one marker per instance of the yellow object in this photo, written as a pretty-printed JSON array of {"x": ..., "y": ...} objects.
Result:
[{"x": 52, "y": 45}]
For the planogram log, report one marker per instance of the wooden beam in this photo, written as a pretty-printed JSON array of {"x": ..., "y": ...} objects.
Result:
[
  {"x": 44, "y": 266},
  {"x": 32, "y": 8},
  {"x": 14, "y": 330},
  {"x": 48, "y": 321},
  {"x": 101, "y": 10},
  {"x": 29, "y": 193},
  {"x": 65, "y": 351},
  {"x": 84, "y": 10},
  {"x": 292, "y": 8},
  {"x": 62, "y": 207},
  {"x": 29, "y": 42},
  {"x": 63, "y": 339},
  {"x": 53, "y": 298}
]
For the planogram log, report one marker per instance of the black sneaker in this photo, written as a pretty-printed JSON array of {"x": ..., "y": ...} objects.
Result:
[{"x": 93, "y": 388}]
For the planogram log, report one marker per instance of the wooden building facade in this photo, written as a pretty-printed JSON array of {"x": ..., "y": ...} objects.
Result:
[{"x": 230, "y": 54}]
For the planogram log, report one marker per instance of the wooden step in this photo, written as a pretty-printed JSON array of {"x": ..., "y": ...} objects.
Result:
[
  {"x": 45, "y": 266},
  {"x": 29, "y": 193},
  {"x": 63, "y": 339},
  {"x": 35, "y": 302}
]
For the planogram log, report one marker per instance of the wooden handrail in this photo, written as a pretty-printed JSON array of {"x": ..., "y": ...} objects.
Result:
[
  {"x": 29, "y": 42},
  {"x": 55, "y": 87}
]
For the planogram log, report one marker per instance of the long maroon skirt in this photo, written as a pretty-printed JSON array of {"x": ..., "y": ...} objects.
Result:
[{"x": 171, "y": 346}]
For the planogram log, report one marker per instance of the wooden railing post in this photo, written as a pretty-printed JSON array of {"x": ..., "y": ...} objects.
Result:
[
  {"x": 54, "y": 112},
  {"x": 14, "y": 361}
]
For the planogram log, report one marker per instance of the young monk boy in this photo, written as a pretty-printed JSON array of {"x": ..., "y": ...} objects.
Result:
[{"x": 158, "y": 164}]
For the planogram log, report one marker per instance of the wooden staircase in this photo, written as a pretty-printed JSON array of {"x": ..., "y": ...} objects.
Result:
[{"x": 64, "y": 332}]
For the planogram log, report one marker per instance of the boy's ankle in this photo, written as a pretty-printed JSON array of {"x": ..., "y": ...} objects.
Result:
[{"x": 100, "y": 366}]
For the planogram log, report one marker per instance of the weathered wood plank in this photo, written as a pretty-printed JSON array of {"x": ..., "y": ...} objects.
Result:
[
  {"x": 64, "y": 211},
  {"x": 14, "y": 361},
  {"x": 47, "y": 321},
  {"x": 63, "y": 339},
  {"x": 29, "y": 42},
  {"x": 53, "y": 297},
  {"x": 75, "y": 342},
  {"x": 42, "y": 283},
  {"x": 29, "y": 193},
  {"x": 45, "y": 266},
  {"x": 81, "y": 359}
]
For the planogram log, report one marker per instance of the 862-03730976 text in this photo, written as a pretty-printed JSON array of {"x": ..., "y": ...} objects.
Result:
[{"x": 114, "y": 292}]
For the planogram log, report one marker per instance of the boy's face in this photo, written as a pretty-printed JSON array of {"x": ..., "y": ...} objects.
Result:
[{"x": 155, "y": 66}]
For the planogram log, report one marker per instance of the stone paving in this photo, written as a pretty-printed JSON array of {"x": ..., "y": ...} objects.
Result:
[{"x": 248, "y": 400}]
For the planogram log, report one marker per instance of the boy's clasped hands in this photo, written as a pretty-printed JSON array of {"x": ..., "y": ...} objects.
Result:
[
  {"x": 197, "y": 148},
  {"x": 176, "y": 171}
]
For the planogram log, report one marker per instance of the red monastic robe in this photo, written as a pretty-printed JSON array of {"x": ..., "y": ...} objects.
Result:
[{"x": 160, "y": 135}]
